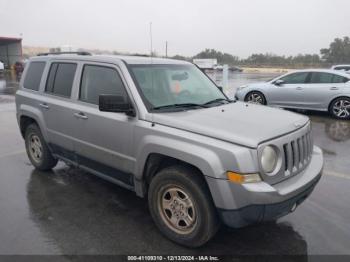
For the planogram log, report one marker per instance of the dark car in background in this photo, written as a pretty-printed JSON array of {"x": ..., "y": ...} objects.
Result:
[{"x": 19, "y": 67}]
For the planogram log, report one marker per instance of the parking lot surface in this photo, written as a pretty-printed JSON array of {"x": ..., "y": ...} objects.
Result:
[{"x": 68, "y": 211}]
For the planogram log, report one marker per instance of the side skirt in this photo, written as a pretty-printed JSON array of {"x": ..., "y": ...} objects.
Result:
[{"x": 103, "y": 171}]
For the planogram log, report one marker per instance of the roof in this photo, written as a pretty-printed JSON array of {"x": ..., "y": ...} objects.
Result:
[
  {"x": 10, "y": 39},
  {"x": 112, "y": 59},
  {"x": 331, "y": 71}
]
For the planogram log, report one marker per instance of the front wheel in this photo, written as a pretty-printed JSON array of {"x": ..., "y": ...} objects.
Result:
[
  {"x": 255, "y": 98},
  {"x": 181, "y": 206},
  {"x": 340, "y": 108},
  {"x": 37, "y": 149}
]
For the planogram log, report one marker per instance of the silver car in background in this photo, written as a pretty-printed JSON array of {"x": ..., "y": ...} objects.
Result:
[{"x": 321, "y": 90}]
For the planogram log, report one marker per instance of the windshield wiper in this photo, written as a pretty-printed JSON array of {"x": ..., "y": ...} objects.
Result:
[
  {"x": 217, "y": 100},
  {"x": 183, "y": 105}
]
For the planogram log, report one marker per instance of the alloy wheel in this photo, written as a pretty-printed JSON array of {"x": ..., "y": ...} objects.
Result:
[
  {"x": 341, "y": 108},
  {"x": 255, "y": 98}
]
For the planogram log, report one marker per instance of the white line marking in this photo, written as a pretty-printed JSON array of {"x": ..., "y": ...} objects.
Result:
[
  {"x": 18, "y": 152},
  {"x": 331, "y": 173}
]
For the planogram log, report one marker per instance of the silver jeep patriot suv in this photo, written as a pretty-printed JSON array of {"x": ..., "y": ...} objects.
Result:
[{"x": 163, "y": 129}]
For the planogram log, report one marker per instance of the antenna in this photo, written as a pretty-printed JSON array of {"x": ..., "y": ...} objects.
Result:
[
  {"x": 166, "y": 49},
  {"x": 152, "y": 72},
  {"x": 151, "y": 38}
]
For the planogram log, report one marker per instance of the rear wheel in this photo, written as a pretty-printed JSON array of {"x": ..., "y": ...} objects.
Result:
[
  {"x": 340, "y": 108},
  {"x": 255, "y": 97},
  {"x": 181, "y": 206},
  {"x": 37, "y": 149}
]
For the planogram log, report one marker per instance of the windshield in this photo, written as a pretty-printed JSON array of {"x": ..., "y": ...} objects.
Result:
[{"x": 175, "y": 85}]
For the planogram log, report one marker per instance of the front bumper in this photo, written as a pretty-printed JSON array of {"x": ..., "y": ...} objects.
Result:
[
  {"x": 241, "y": 205},
  {"x": 260, "y": 213},
  {"x": 239, "y": 95}
]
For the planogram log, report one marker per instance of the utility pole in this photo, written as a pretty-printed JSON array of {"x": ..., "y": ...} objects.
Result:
[
  {"x": 151, "y": 37},
  {"x": 166, "y": 48}
]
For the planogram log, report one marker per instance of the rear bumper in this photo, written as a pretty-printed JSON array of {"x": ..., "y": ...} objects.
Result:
[{"x": 260, "y": 213}]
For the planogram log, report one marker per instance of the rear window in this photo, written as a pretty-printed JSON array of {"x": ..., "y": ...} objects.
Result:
[
  {"x": 33, "y": 75},
  {"x": 339, "y": 79},
  {"x": 60, "y": 79},
  {"x": 326, "y": 78},
  {"x": 345, "y": 68}
]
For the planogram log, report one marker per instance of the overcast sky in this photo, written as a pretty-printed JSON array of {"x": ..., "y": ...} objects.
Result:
[{"x": 239, "y": 27}]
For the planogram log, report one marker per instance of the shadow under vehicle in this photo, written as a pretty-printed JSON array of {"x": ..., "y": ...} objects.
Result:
[{"x": 82, "y": 214}]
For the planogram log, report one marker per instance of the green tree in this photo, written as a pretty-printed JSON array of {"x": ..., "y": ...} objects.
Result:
[
  {"x": 180, "y": 57},
  {"x": 338, "y": 51},
  {"x": 299, "y": 61}
]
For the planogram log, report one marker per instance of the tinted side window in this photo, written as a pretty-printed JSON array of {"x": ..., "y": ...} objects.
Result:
[
  {"x": 339, "y": 79},
  {"x": 326, "y": 78},
  {"x": 99, "y": 80},
  {"x": 321, "y": 78},
  {"x": 60, "y": 79},
  {"x": 296, "y": 78},
  {"x": 33, "y": 76}
]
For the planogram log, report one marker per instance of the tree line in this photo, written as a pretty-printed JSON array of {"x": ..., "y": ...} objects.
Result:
[{"x": 338, "y": 52}]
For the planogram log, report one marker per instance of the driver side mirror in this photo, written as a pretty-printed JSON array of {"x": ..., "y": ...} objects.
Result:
[
  {"x": 221, "y": 88},
  {"x": 279, "y": 82},
  {"x": 117, "y": 104}
]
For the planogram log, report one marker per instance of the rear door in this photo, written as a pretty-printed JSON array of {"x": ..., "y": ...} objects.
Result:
[
  {"x": 321, "y": 89},
  {"x": 58, "y": 107},
  {"x": 104, "y": 140},
  {"x": 288, "y": 94}
]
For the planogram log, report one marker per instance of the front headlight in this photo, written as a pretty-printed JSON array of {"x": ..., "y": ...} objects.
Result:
[{"x": 269, "y": 158}]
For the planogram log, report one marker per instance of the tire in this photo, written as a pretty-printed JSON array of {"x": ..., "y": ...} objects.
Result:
[
  {"x": 181, "y": 206},
  {"x": 37, "y": 150},
  {"x": 255, "y": 97},
  {"x": 340, "y": 108}
]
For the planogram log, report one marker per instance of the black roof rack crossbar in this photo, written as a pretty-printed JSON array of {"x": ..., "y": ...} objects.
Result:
[{"x": 65, "y": 53}]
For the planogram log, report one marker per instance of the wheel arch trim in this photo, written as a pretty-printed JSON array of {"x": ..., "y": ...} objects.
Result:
[{"x": 36, "y": 115}]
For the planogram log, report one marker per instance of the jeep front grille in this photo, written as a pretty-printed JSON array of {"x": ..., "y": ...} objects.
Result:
[{"x": 297, "y": 154}]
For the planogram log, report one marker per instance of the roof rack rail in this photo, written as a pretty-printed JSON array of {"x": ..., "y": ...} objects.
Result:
[{"x": 64, "y": 53}]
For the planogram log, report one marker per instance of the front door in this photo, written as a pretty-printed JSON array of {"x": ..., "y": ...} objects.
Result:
[
  {"x": 289, "y": 92},
  {"x": 104, "y": 140}
]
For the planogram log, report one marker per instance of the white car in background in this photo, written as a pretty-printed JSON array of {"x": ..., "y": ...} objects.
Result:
[
  {"x": 345, "y": 68},
  {"x": 2, "y": 67}
]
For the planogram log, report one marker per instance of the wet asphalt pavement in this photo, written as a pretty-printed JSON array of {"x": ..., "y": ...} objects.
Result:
[{"x": 68, "y": 211}]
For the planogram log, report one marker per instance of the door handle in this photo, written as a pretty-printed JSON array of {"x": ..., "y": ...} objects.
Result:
[
  {"x": 299, "y": 88},
  {"x": 80, "y": 115},
  {"x": 334, "y": 88},
  {"x": 44, "y": 105}
]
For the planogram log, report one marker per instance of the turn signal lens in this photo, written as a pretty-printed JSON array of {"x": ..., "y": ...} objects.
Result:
[{"x": 242, "y": 178}]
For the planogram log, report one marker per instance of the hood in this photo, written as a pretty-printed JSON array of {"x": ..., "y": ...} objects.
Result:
[
  {"x": 239, "y": 123},
  {"x": 259, "y": 84}
]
